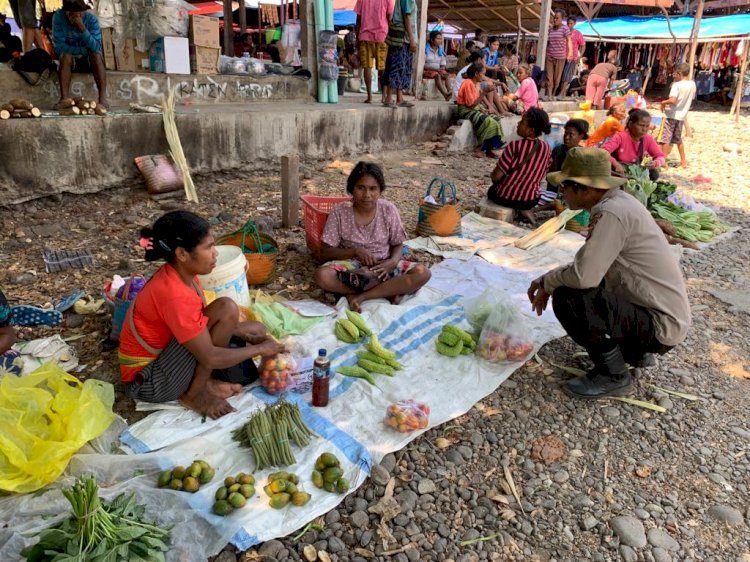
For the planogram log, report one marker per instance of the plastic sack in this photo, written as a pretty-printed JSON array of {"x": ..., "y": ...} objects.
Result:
[
  {"x": 166, "y": 18},
  {"x": 275, "y": 373},
  {"x": 407, "y": 416},
  {"x": 45, "y": 418},
  {"x": 686, "y": 201},
  {"x": 504, "y": 336},
  {"x": 477, "y": 309},
  {"x": 232, "y": 65},
  {"x": 328, "y": 58}
]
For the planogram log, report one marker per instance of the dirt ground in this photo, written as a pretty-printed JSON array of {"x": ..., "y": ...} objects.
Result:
[{"x": 713, "y": 363}]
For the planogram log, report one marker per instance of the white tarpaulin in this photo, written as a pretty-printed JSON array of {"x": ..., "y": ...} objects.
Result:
[{"x": 350, "y": 427}]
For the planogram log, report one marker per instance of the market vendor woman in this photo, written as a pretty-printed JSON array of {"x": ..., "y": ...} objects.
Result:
[
  {"x": 364, "y": 239},
  {"x": 171, "y": 342}
]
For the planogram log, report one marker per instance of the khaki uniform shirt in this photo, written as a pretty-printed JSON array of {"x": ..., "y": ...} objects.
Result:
[{"x": 628, "y": 249}]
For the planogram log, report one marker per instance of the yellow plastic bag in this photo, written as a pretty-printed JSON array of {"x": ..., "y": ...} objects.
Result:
[{"x": 45, "y": 418}]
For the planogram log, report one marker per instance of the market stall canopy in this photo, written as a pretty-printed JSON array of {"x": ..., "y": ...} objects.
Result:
[
  {"x": 656, "y": 30},
  {"x": 492, "y": 16}
]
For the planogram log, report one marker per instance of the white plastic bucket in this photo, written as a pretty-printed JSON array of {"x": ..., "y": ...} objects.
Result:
[{"x": 228, "y": 277}]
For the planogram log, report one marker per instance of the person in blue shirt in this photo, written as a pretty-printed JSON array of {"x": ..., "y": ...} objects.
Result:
[
  {"x": 492, "y": 59},
  {"x": 76, "y": 35}
]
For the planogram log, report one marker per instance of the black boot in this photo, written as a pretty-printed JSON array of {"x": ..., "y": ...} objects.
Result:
[
  {"x": 640, "y": 360},
  {"x": 610, "y": 377}
]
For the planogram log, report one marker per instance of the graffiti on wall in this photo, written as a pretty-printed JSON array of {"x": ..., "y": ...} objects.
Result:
[{"x": 144, "y": 89}]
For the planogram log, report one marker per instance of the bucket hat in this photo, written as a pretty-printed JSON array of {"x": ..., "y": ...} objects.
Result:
[{"x": 588, "y": 166}]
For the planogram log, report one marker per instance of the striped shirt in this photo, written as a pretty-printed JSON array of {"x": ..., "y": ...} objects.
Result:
[
  {"x": 521, "y": 183},
  {"x": 557, "y": 42}
]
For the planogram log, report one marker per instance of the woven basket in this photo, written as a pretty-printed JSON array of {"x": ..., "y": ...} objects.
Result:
[{"x": 261, "y": 266}]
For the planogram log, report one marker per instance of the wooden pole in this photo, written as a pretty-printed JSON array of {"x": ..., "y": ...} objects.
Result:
[
  {"x": 541, "y": 55},
  {"x": 650, "y": 68},
  {"x": 418, "y": 65},
  {"x": 738, "y": 94},
  {"x": 290, "y": 190},
  {"x": 243, "y": 16},
  {"x": 228, "y": 29},
  {"x": 309, "y": 42},
  {"x": 694, "y": 34}
]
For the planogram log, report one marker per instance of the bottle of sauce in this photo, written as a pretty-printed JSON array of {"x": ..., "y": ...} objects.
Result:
[{"x": 321, "y": 379}]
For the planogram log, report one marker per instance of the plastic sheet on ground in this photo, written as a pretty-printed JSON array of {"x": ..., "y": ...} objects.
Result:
[{"x": 351, "y": 426}]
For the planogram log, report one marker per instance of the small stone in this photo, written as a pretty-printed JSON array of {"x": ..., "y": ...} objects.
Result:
[
  {"x": 661, "y": 555},
  {"x": 561, "y": 476},
  {"x": 407, "y": 500},
  {"x": 270, "y": 548},
  {"x": 359, "y": 519},
  {"x": 719, "y": 395},
  {"x": 641, "y": 514},
  {"x": 25, "y": 279},
  {"x": 389, "y": 462},
  {"x": 745, "y": 434},
  {"x": 726, "y": 514},
  {"x": 611, "y": 412},
  {"x": 452, "y": 455},
  {"x": 226, "y": 556},
  {"x": 366, "y": 537},
  {"x": 380, "y": 475},
  {"x": 582, "y": 501},
  {"x": 628, "y": 554},
  {"x": 74, "y": 320},
  {"x": 412, "y": 554},
  {"x": 662, "y": 539},
  {"x": 335, "y": 545},
  {"x": 332, "y": 517},
  {"x": 426, "y": 486},
  {"x": 630, "y": 530},
  {"x": 589, "y": 522},
  {"x": 465, "y": 451},
  {"x": 225, "y": 216}
]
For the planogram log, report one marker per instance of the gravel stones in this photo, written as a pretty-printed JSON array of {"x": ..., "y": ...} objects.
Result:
[
  {"x": 426, "y": 486},
  {"x": 335, "y": 545},
  {"x": 589, "y": 522},
  {"x": 628, "y": 554},
  {"x": 630, "y": 531},
  {"x": 561, "y": 476},
  {"x": 582, "y": 501},
  {"x": 359, "y": 519},
  {"x": 379, "y": 475},
  {"x": 662, "y": 539},
  {"x": 726, "y": 514},
  {"x": 271, "y": 548},
  {"x": 548, "y": 449},
  {"x": 407, "y": 500}
]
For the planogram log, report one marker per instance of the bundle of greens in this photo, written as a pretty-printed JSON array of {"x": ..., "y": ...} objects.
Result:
[
  {"x": 100, "y": 531},
  {"x": 695, "y": 226},
  {"x": 640, "y": 186}
]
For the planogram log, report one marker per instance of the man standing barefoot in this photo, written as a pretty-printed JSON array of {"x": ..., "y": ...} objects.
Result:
[{"x": 676, "y": 108}]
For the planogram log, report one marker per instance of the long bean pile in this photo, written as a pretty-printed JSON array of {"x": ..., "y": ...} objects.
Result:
[
  {"x": 113, "y": 531},
  {"x": 269, "y": 432}
]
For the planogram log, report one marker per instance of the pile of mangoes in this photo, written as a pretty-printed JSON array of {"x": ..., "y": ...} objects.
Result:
[
  {"x": 187, "y": 479},
  {"x": 234, "y": 493},
  {"x": 328, "y": 474},
  {"x": 282, "y": 489}
]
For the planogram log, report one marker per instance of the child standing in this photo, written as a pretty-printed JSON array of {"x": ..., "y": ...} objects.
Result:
[{"x": 676, "y": 108}]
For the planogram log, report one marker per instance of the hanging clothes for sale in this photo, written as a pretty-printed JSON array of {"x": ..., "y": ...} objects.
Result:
[{"x": 704, "y": 83}]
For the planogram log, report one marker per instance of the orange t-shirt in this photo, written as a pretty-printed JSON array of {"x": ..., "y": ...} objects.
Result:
[
  {"x": 609, "y": 128},
  {"x": 165, "y": 308},
  {"x": 468, "y": 93}
]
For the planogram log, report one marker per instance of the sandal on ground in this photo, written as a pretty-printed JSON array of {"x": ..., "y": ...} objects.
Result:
[
  {"x": 25, "y": 315},
  {"x": 406, "y": 104},
  {"x": 67, "y": 302},
  {"x": 392, "y": 105},
  {"x": 357, "y": 282}
]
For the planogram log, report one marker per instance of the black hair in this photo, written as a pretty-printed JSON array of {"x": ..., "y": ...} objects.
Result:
[
  {"x": 469, "y": 44},
  {"x": 492, "y": 39},
  {"x": 511, "y": 48},
  {"x": 538, "y": 120},
  {"x": 176, "y": 229},
  {"x": 571, "y": 17},
  {"x": 478, "y": 31},
  {"x": 580, "y": 125},
  {"x": 531, "y": 59},
  {"x": 433, "y": 34},
  {"x": 475, "y": 56},
  {"x": 637, "y": 115},
  {"x": 612, "y": 109},
  {"x": 584, "y": 72},
  {"x": 473, "y": 70},
  {"x": 560, "y": 11},
  {"x": 363, "y": 169}
]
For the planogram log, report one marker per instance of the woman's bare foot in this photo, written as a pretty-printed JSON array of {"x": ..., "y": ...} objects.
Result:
[
  {"x": 355, "y": 302},
  {"x": 395, "y": 299},
  {"x": 478, "y": 153},
  {"x": 206, "y": 404},
  {"x": 222, "y": 389},
  {"x": 529, "y": 216}
]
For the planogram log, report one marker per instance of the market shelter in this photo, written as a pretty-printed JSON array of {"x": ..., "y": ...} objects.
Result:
[{"x": 656, "y": 29}]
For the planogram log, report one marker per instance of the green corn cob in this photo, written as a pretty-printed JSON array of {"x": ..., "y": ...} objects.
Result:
[
  {"x": 356, "y": 319},
  {"x": 373, "y": 367}
]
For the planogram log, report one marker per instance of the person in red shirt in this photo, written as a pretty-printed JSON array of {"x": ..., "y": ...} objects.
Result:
[{"x": 172, "y": 343}]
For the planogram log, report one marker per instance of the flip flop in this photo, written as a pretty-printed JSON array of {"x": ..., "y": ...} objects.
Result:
[
  {"x": 67, "y": 302},
  {"x": 392, "y": 105},
  {"x": 25, "y": 315},
  {"x": 406, "y": 104}
]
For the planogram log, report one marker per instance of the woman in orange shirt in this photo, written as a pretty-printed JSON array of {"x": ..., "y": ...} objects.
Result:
[
  {"x": 611, "y": 126},
  {"x": 469, "y": 99}
]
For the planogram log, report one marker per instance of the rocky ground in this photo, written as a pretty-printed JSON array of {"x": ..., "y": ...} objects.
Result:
[{"x": 527, "y": 474}]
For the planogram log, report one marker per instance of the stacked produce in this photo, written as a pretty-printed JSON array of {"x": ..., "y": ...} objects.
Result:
[
  {"x": 98, "y": 530},
  {"x": 19, "y": 108},
  {"x": 80, "y": 106},
  {"x": 694, "y": 226},
  {"x": 234, "y": 493},
  {"x": 187, "y": 479},
  {"x": 275, "y": 373},
  {"x": 373, "y": 359},
  {"x": 328, "y": 475},
  {"x": 407, "y": 416},
  {"x": 454, "y": 341},
  {"x": 269, "y": 433},
  {"x": 352, "y": 329},
  {"x": 282, "y": 489}
]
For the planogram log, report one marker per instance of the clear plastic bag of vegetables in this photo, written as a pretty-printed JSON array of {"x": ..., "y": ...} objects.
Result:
[
  {"x": 505, "y": 335},
  {"x": 276, "y": 372},
  {"x": 477, "y": 309},
  {"x": 407, "y": 416}
]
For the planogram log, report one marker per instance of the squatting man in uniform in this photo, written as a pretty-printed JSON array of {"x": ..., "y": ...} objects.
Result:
[{"x": 623, "y": 298}]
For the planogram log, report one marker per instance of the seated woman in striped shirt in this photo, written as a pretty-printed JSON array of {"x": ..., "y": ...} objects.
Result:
[
  {"x": 523, "y": 165},
  {"x": 172, "y": 342}
]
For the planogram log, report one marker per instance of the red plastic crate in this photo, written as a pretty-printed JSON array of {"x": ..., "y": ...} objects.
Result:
[{"x": 317, "y": 209}]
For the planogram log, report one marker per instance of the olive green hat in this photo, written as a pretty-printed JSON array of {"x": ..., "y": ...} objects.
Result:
[{"x": 588, "y": 166}]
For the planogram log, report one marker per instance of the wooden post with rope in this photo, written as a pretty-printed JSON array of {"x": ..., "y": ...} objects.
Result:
[{"x": 737, "y": 103}]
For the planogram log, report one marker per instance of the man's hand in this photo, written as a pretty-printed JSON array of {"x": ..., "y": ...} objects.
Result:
[
  {"x": 384, "y": 268},
  {"x": 538, "y": 297},
  {"x": 269, "y": 348},
  {"x": 364, "y": 257},
  {"x": 76, "y": 20},
  {"x": 412, "y": 46}
]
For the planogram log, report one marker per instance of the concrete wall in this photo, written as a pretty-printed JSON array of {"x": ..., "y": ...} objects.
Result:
[
  {"x": 125, "y": 88},
  {"x": 45, "y": 156}
]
